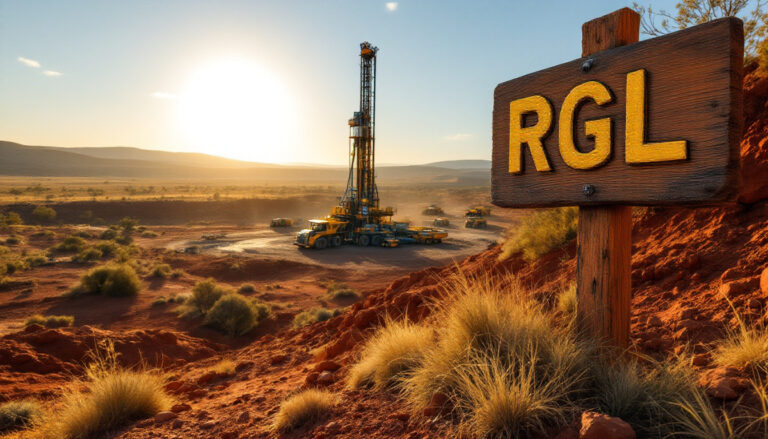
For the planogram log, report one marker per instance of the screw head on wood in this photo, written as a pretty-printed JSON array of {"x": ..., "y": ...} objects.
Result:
[
  {"x": 588, "y": 190},
  {"x": 587, "y": 64}
]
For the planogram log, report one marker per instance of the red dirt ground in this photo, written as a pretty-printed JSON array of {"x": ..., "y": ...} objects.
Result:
[{"x": 685, "y": 262}]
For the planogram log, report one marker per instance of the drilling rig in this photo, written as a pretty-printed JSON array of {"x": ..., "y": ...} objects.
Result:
[{"x": 358, "y": 219}]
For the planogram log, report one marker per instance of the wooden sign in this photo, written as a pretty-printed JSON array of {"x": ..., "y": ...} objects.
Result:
[{"x": 650, "y": 123}]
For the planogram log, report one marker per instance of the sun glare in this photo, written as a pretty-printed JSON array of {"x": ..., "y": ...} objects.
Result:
[{"x": 235, "y": 108}]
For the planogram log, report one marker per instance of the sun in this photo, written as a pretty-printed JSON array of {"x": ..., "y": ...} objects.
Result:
[{"x": 233, "y": 107}]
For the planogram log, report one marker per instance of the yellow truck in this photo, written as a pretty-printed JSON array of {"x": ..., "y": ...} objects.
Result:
[
  {"x": 476, "y": 211},
  {"x": 281, "y": 222}
]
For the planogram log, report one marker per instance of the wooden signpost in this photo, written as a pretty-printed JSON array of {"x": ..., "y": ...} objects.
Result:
[{"x": 656, "y": 122}]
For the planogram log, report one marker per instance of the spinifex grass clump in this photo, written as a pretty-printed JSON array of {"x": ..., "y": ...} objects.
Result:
[
  {"x": 541, "y": 232},
  {"x": 18, "y": 415},
  {"x": 505, "y": 368},
  {"x": 107, "y": 398},
  {"x": 50, "y": 321},
  {"x": 390, "y": 354},
  {"x": 313, "y": 315},
  {"x": 302, "y": 408},
  {"x": 747, "y": 346}
]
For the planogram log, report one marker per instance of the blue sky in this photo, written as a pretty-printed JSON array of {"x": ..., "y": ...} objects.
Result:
[{"x": 145, "y": 73}]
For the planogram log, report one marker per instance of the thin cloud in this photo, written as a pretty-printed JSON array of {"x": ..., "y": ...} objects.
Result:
[
  {"x": 458, "y": 137},
  {"x": 163, "y": 95},
  {"x": 29, "y": 62},
  {"x": 51, "y": 73},
  {"x": 391, "y": 6}
]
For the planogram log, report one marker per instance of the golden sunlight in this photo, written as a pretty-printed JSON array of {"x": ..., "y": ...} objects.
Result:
[{"x": 235, "y": 108}]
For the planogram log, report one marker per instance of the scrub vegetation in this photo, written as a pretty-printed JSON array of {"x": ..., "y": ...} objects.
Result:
[{"x": 540, "y": 232}]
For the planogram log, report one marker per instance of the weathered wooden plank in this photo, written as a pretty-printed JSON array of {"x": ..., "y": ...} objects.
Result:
[
  {"x": 693, "y": 93},
  {"x": 604, "y": 252}
]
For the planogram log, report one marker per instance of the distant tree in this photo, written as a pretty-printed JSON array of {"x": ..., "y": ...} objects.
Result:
[
  {"x": 128, "y": 224},
  {"x": 12, "y": 218},
  {"x": 693, "y": 12}
]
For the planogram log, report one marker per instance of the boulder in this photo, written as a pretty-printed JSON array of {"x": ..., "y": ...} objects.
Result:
[
  {"x": 165, "y": 416},
  {"x": 599, "y": 426}
]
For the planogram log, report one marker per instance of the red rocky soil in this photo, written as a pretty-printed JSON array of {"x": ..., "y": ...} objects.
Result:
[{"x": 685, "y": 262}]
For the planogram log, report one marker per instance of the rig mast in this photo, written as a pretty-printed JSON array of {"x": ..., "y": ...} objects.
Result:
[{"x": 360, "y": 202}]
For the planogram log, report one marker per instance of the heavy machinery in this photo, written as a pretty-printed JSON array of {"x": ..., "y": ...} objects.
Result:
[
  {"x": 433, "y": 211},
  {"x": 281, "y": 222},
  {"x": 441, "y": 222},
  {"x": 477, "y": 211},
  {"x": 476, "y": 222},
  {"x": 359, "y": 219}
]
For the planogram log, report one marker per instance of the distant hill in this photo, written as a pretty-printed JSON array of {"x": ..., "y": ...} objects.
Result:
[
  {"x": 126, "y": 162},
  {"x": 462, "y": 164},
  {"x": 176, "y": 158}
]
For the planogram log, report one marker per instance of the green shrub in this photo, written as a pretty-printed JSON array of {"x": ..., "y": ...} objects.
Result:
[
  {"x": 205, "y": 294},
  {"x": 108, "y": 234},
  {"x": 232, "y": 314},
  {"x": 13, "y": 240},
  {"x": 18, "y": 415},
  {"x": 44, "y": 214},
  {"x": 70, "y": 244},
  {"x": 246, "y": 288},
  {"x": 83, "y": 234},
  {"x": 128, "y": 224},
  {"x": 114, "y": 280},
  {"x": 124, "y": 239},
  {"x": 11, "y": 219},
  {"x": 177, "y": 273},
  {"x": 87, "y": 254},
  {"x": 541, "y": 232},
  {"x": 337, "y": 291},
  {"x": 107, "y": 248},
  {"x": 36, "y": 259},
  {"x": 149, "y": 234},
  {"x": 50, "y": 321},
  {"x": 161, "y": 271},
  {"x": 313, "y": 316}
]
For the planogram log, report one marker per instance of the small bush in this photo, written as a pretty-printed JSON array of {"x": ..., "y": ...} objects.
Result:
[
  {"x": 312, "y": 316},
  {"x": 124, "y": 239},
  {"x": 390, "y": 354},
  {"x": 70, "y": 244},
  {"x": 50, "y": 321},
  {"x": 112, "y": 397},
  {"x": 177, "y": 273},
  {"x": 149, "y": 234},
  {"x": 113, "y": 280},
  {"x": 541, "y": 232},
  {"x": 36, "y": 260},
  {"x": 87, "y": 254},
  {"x": 246, "y": 288},
  {"x": 159, "y": 301},
  {"x": 83, "y": 234},
  {"x": 128, "y": 224},
  {"x": 108, "y": 234},
  {"x": 11, "y": 219},
  {"x": 233, "y": 314},
  {"x": 44, "y": 214},
  {"x": 18, "y": 415},
  {"x": 13, "y": 240},
  {"x": 302, "y": 408},
  {"x": 337, "y": 291},
  {"x": 205, "y": 294},
  {"x": 161, "y": 271}
]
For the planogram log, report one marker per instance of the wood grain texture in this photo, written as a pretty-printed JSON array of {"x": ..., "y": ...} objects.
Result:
[
  {"x": 603, "y": 276},
  {"x": 604, "y": 252},
  {"x": 694, "y": 80}
]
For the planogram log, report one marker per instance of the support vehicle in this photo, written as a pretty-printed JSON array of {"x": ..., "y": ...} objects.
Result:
[
  {"x": 281, "y": 222},
  {"x": 476, "y": 222}
]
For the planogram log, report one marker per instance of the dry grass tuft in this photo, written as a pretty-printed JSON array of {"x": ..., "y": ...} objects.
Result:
[
  {"x": 567, "y": 300},
  {"x": 541, "y": 232},
  {"x": 50, "y": 321},
  {"x": 390, "y": 354},
  {"x": 507, "y": 370},
  {"x": 224, "y": 367},
  {"x": 109, "y": 397},
  {"x": 19, "y": 415},
  {"x": 747, "y": 346},
  {"x": 302, "y": 408}
]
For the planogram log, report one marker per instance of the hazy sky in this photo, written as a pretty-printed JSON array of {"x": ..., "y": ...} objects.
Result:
[{"x": 273, "y": 80}]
